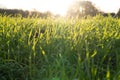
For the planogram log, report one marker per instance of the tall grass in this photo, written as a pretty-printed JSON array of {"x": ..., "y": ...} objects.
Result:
[{"x": 59, "y": 49}]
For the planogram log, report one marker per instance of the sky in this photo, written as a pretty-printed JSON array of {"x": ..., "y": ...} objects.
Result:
[
  {"x": 58, "y": 6},
  {"x": 107, "y": 5}
]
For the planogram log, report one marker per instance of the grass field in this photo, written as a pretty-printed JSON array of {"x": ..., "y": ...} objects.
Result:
[{"x": 59, "y": 49}]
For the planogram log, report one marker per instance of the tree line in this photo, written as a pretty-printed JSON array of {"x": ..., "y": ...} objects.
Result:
[
  {"x": 77, "y": 9},
  {"x": 85, "y": 8},
  {"x": 17, "y": 12}
]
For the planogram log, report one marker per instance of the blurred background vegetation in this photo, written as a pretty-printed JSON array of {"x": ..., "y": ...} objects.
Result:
[{"x": 77, "y": 9}]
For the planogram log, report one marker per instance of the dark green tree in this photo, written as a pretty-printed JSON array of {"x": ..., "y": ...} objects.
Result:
[
  {"x": 82, "y": 8},
  {"x": 118, "y": 13}
]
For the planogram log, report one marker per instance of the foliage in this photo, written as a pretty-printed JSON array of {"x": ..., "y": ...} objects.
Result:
[
  {"x": 82, "y": 8},
  {"x": 59, "y": 49},
  {"x": 118, "y": 13},
  {"x": 25, "y": 14}
]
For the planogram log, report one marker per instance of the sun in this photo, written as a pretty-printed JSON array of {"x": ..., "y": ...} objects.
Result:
[{"x": 55, "y": 6}]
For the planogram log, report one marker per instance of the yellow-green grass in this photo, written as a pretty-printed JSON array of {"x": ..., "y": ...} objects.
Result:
[{"x": 59, "y": 49}]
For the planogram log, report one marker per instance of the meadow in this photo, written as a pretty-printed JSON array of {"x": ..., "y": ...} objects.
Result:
[{"x": 59, "y": 49}]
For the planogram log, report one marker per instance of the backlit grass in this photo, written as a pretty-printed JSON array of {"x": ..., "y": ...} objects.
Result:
[{"x": 59, "y": 49}]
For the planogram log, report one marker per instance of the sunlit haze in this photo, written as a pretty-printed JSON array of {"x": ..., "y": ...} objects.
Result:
[{"x": 57, "y": 6}]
